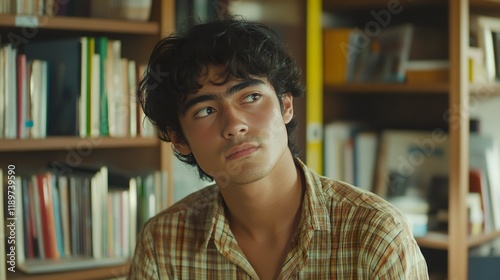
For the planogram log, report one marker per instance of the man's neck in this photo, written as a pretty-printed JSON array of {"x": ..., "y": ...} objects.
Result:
[{"x": 269, "y": 208}]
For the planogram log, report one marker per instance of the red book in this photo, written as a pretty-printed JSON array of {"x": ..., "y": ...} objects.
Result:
[
  {"x": 477, "y": 184},
  {"x": 47, "y": 214}
]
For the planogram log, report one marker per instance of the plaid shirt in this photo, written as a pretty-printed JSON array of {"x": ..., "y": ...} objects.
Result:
[{"x": 344, "y": 233}]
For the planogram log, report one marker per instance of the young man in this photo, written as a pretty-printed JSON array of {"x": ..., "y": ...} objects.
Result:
[{"x": 222, "y": 93}]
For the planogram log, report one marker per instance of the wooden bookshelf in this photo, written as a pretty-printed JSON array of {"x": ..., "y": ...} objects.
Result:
[
  {"x": 370, "y": 88},
  {"x": 439, "y": 240},
  {"x": 422, "y": 105},
  {"x": 133, "y": 154},
  {"x": 81, "y": 24},
  {"x": 61, "y": 143}
]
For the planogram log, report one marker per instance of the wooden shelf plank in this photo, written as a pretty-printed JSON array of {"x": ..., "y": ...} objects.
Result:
[
  {"x": 474, "y": 241},
  {"x": 484, "y": 90},
  {"x": 440, "y": 88},
  {"x": 110, "y": 272},
  {"x": 437, "y": 240},
  {"x": 360, "y": 4},
  {"x": 485, "y": 4},
  {"x": 61, "y": 143},
  {"x": 83, "y": 24}
]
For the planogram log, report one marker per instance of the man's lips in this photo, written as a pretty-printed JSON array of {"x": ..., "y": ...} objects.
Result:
[{"x": 241, "y": 151}]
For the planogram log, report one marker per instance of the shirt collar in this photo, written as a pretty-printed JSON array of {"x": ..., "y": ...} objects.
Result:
[{"x": 315, "y": 215}]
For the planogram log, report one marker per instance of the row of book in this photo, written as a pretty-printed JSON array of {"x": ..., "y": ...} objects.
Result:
[
  {"x": 411, "y": 170},
  {"x": 121, "y": 9},
  {"x": 89, "y": 213},
  {"x": 393, "y": 54},
  {"x": 73, "y": 86},
  {"x": 29, "y": 7},
  {"x": 45, "y": 7}
]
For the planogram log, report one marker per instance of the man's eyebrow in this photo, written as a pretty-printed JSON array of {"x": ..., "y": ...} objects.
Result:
[
  {"x": 232, "y": 90},
  {"x": 244, "y": 84}
]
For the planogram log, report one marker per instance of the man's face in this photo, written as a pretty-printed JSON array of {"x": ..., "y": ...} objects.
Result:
[{"x": 236, "y": 131}]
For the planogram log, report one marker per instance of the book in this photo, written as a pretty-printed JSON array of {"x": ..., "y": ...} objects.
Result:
[
  {"x": 84, "y": 93},
  {"x": 38, "y": 97},
  {"x": 359, "y": 53},
  {"x": 10, "y": 97},
  {"x": 47, "y": 223},
  {"x": 22, "y": 95},
  {"x": 479, "y": 185},
  {"x": 493, "y": 160},
  {"x": 477, "y": 69},
  {"x": 475, "y": 226},
  {"x": 409, "y": 160},
  {"x": 350, "y": 149},
  {"x": 392, "y": 49},
  {"x": 101, "y": 48},
  {"x": 485, "y": 156},
  {"x": 365, "y": 158},
  {"x": 62, "y": 182},
  {"x": 20, "y": 222},
  {"x": 335, "y": 55},
  {"x": 496, "y": 52},
  {"x": 338, "y": 149},
  {"x": 64, "y": 65},
  {"x": 132, "y": 88}
]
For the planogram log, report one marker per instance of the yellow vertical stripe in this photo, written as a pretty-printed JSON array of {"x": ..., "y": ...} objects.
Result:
[{"x": 314, "y": 84}]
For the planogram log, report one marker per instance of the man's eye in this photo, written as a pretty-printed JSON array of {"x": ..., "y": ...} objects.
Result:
[
  {"x": 252, "y": 97},
  {"x": 205, "y": 112}
]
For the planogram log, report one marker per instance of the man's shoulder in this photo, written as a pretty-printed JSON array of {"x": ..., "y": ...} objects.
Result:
[
  {"x": 196, "y": 204},
  {"x": 347, "y": 196}
]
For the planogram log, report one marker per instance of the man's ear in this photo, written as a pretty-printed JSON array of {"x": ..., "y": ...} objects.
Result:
[
  {"x": 179, "y": 144},
  {"x": 287, "y": 107}
]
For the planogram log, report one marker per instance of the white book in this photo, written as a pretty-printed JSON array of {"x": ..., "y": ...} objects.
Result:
[
  {"x": 11, "y": 94},
  {"x": 103, "y": 177},
  {"x": 34, "y": 89},
  {"x": 488, "y": 154},
  {"x": 115, "y": 89},
  {"x": 125, "y": 232},
  {"x": 479, "y": 148},
  {"x": 132, "y": 86},
  {"x": 123, "y": 111},
  {"x": 133, "y": 211},
  {"x": 365, "y": 146},
  {"x": 20, "y": 230},
  {"x": 336, "y": 135},
  {"x": 43, "y": 98}
]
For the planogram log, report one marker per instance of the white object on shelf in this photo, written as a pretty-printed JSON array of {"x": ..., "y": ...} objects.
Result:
[{"x": 139, "y": 10}]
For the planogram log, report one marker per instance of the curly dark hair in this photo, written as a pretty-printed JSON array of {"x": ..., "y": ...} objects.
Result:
[{"x": 242, "y": 47}]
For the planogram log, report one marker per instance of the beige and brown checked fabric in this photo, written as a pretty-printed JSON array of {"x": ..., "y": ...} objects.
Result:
[{"x": 344, "y": 233}]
